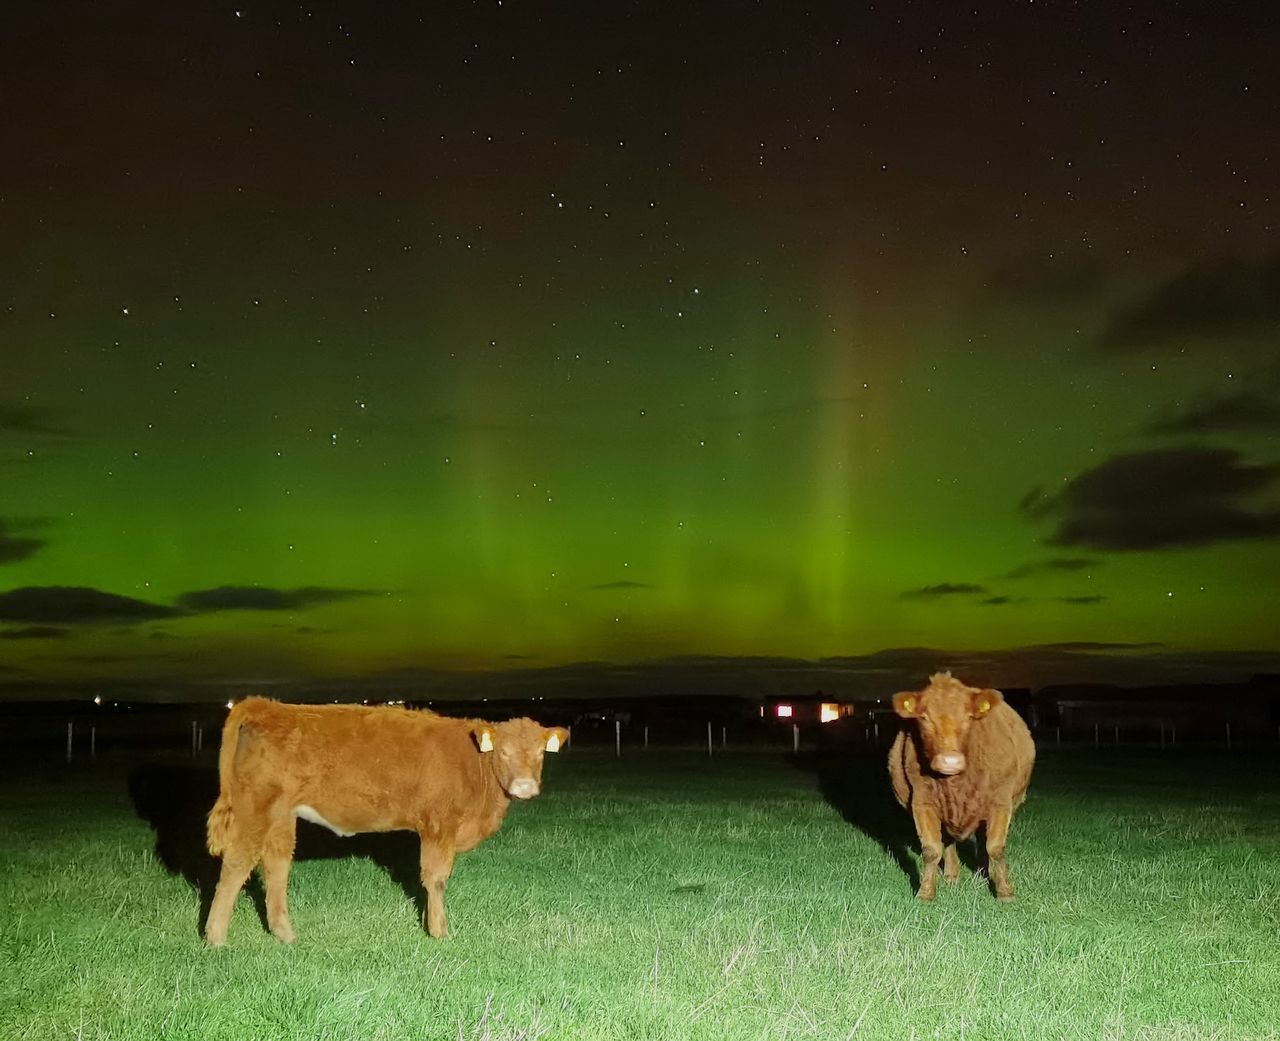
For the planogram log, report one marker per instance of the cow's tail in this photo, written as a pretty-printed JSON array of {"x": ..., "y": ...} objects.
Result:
[{"x": 221, "y": 816}]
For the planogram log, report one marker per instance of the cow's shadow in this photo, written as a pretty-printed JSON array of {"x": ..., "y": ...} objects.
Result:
[
  {"x": 855, "y": 782},
  {"x": 175, "y": 800}
]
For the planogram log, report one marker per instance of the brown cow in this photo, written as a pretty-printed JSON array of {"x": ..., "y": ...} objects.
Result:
[
  {"x": 356, "y": 769},
  {"x": 966, "y": 762}
]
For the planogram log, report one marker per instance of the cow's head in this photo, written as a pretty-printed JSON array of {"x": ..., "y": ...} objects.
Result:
[
  {"x": 944, "y": 711},
  {"x": 515, "y": 750}
]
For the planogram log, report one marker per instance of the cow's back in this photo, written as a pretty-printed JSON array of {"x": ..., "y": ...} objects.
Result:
[{"x": 356, "y": 768}]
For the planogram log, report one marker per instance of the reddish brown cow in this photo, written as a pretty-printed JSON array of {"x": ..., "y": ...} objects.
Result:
[
  {"x": 963, "y": 760},
  {"x": 356, "y": 769}
]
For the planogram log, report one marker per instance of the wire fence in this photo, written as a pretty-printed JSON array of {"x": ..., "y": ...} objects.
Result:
[{"x": 76, "y": 736}]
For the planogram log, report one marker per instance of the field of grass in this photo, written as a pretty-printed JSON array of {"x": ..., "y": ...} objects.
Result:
[{"x": 665, "y": 895}]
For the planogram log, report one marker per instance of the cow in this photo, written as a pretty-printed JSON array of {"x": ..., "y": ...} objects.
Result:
[
  {"x": 354, "y": 769},
  {"x": 962, "y": 760}
]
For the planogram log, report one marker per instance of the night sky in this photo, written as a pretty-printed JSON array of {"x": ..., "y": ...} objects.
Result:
[{"x": 359, "y": 343}]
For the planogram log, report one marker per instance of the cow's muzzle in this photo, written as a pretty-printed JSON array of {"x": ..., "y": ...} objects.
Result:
[
  {"x": 523, "y": 788},
  {"x": 948, "y": 763}
]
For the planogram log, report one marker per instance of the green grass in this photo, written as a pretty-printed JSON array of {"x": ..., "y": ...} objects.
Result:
[{"x": 666, "y": 896}]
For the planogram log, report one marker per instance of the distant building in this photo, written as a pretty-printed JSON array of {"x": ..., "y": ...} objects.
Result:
[{"x": 1248, "y": 708}]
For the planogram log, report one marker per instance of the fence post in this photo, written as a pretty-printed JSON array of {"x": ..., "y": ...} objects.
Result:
[
  {"x": 1057, "y": 734},
  {"x": 1096, "y": 742},
  {"x": 646, "y": 735},
  {"x": 93, "y": 742},
  {"x": 795, "y": 737},
  {"x": 617, "y": 738},
  {"x": 1117, "y": 734},
  {"x": 70, "y": 732},
  {"x": 708, "y": 737},
  {"x": 724, "y": 738},
  {"x": 1228, "y": 737},
  {"x": 1173, "y": 734}
]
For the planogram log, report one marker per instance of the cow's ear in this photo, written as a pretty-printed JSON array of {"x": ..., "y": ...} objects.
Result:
[
  {"x": 556, "y": 738},
  {"x": 907, "y": 704},
  {"x": 983, "y": 701},
  {"x": 484, "y": 737}
]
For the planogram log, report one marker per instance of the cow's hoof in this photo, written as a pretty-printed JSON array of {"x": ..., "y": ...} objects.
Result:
[
  {"x": 1006, "y": 898},
  {"x": 926, "y": 895},
  {"x": 285, "y": 934}
]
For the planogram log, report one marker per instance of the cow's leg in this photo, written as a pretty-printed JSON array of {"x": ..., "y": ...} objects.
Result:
[
  {"x": 997, "y": 865},
  {"x": 437, "y": 865},
  {"x": 950, "y": 863},
  {"x": 929, "y": 831},
  {"x": 236, "y": 867},
  {"x": 277, "y": 857}
]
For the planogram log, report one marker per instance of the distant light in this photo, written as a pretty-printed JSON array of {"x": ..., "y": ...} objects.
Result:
[
  {"x": 829, "y": 712},
  {"x": 784, "y": 711},
  {"x": 97, "y": 699},
  {"x": 231, "y": 704}
]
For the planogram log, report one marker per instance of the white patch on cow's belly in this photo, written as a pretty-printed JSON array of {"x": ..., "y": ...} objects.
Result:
[{"x": 310, "y": 813}]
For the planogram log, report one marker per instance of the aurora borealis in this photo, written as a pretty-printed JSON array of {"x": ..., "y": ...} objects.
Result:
[{"x": 344, "y": 341}]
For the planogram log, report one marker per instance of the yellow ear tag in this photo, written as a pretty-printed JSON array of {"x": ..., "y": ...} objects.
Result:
[
  {"x": 553, "y": 743},
  {"x": 909, "y": 704},
  {"x": 486, "y": 741}
]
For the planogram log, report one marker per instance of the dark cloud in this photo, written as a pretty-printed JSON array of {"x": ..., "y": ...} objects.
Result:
[
  {"x": 1082, "y": 600},
  {"x": 1246, "y": 410},
  {"x": 263, "y": 598},
  {"x": 35, "y": 632},
  {"x": 28, "y": 419},
  {"x": 1094, "y": 646},
  {"x": 624, "y": 584},
  {"x": 16, "y": 547},
  {"x": 999, "y": 601},
  {"x": 1216, "y": 297},
  {"x": 944, "y": 589},
  {"x": 1190, "y": 496},
  {"x": 1053, "y": 565},
  {"x": 76, "y": 605},
  {"x": 874, "y": 676}
]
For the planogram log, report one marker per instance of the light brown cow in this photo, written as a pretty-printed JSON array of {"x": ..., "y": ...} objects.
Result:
[
  {"x": 357, "y": 769},
  {"x": 963, "y": 760}
]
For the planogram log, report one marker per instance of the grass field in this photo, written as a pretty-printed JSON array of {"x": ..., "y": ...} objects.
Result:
[{"x": 665, "y": 895}]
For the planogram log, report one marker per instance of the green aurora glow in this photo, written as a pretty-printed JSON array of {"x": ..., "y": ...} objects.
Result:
[{"x": 482, "y": 370}]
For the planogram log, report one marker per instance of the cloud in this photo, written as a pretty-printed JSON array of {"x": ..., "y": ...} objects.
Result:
[
  {"x": 76, "y": 605},
  {"x": 29, "y": 419},
  {"x": 1094, "y": 645},
  {"x": 624, "y": 584},
  {"x": 1212, "y": 298},
  {"x": 35, "y": 632},
  {"x": 263, "y": 598},
  {"x": 1082, "y": 600},
  {"x": 16, "y": 547},
  {"x": 1172, "y": 497},
  {"x": 1053, "y": 565},
  {"x": 1000, "y": 601},
  {"x": 1246, "y": 410},
  {"x": 943, "y": 589}
]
